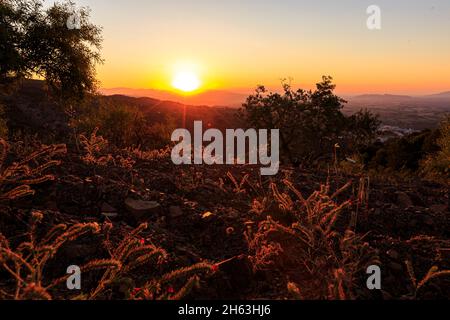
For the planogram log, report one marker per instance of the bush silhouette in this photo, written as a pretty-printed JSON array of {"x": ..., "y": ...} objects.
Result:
[
  {"x": 438, "y": 164},
  {"x": 310, "y": 122},
  {"x": 406, "y": 153},
  {"x": 123, "y": 125},
  {"x": 37, "y": 41}
]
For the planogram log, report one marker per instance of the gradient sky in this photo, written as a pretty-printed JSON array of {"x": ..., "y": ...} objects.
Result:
[{"x": 237, "y": 44}]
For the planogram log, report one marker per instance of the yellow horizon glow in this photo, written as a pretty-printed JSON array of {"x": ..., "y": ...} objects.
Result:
[
  {"x": 367, "y": 81},
  {"x": 218, "y": 73}
]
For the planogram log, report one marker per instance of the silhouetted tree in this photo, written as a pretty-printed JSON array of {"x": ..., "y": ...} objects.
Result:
[
  {"x": 40, "y": 42},
  {"x": 438, "y": 164},
  {"x": 310, "y": 122},
  {"x": 403, "y": 154},
  {"x": 361, "y": 129},
  {"x": 12, "y": 63}
]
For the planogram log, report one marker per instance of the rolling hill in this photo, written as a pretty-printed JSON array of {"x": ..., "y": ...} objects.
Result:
[{"x": 210, "y": 98}]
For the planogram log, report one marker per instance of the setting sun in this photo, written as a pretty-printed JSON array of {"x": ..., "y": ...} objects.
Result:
[{"x": 186, "y": 81}]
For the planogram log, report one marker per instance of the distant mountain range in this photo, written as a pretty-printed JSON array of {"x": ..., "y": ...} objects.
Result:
[
  {"x": 231, "y": 99},
  {"x": 32, "y": 106},
  {"x": 441, "y": 95},
  {"x": 393, "y": 97},
  {"x": 381, "y": 96},
  {"x": 217, "y": 98},
  {"x": 403, "y": 111},
  {"x": 408, "y": 112}
]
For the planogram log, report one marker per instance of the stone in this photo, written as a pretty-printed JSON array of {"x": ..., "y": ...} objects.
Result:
[
  {"x": 110, "y": 215},
  {"x": 108, "y": 211},
  {"x": 140, "y": 209},
  {"x": 404, "y": 200}
]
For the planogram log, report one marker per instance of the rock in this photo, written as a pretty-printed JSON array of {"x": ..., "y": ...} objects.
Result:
[
  {"x": 110, "y": 215},
  {"x": 439, "y": 208},
  {"x": 141, "y": 209},
  {"x": 175, "y": 212},
  {"x": 403, "y": 200},
  {"x": 393, "y": 254},
  {"x": 108, "y": 211}
]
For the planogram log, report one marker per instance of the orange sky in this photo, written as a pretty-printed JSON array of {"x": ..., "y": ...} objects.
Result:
[{"x": 234, "y": 45}]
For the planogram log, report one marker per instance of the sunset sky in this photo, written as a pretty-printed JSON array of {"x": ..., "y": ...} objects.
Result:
[{"x": 237, "y": 44}]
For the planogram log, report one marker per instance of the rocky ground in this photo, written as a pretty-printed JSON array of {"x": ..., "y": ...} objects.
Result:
[{"x": 199, "y": 213}]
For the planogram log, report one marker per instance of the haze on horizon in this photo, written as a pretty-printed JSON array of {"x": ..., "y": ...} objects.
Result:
[{"x": 235, "y": 45}]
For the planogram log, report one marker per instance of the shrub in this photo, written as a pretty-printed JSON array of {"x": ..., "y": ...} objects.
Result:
[
  {"x": 361, "y": 130},
  {"x": 3, "y": 123},
  {"x": 133, "y": 253},
  {"x": 17, "y": 178},
  {"x": 99, "y": 153},
  {"x": 319, "y": 261},
  {"x": 438, "y": 164},
  {"x": 402, "y": 155},
  {"x": 36, "y": 43},
  {"x": 124, "y": 126},
  {"x": 26, "y": 265},
  {"x": 310, "y": 122}
]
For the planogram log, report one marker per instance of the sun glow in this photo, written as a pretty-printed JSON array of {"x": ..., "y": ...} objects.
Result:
[{"x": 186, "y": 81}]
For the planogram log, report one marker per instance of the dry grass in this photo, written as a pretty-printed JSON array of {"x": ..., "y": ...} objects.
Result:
[
  {"x": 26, "y": 265},
  {"x": 433, "y": 273},
  {"x": 17, "y": 178},
  {"x": 309, "y": 242},
  {"x": 318, "y": 261},
  {"x": 98, "y": 152}
]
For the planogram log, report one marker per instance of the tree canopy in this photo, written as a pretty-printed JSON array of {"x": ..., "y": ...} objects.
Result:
[
  {"x": 39, "y": 41},
  {"x": 310, "y": 122}
]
